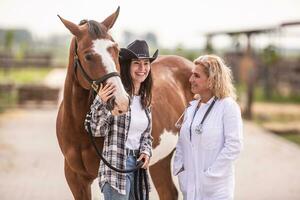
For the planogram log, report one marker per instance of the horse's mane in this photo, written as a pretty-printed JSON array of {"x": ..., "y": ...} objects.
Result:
[{"x": 95, "y": 29}]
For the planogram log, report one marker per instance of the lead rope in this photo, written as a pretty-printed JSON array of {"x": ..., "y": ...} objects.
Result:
[
  {"x": 141, "y": 176},
  {"x": 137, "y": 170}
]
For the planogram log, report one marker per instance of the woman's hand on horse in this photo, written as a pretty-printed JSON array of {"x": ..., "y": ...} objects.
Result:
[
  {"x": 106, "y": 92},
  {"x": 146, "y": 159}
]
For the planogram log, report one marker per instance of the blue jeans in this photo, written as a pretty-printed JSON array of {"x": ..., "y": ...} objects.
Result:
[{"x": 112, "y": 194}]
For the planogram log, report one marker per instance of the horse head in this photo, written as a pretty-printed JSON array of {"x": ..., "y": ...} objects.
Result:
[{"x": 96, "y": 58}]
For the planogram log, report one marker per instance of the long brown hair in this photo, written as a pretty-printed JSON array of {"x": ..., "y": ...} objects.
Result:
[{"x": 146, "y": 87}]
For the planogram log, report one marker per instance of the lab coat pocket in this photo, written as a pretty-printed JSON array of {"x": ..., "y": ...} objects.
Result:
[
  {"x": 217, "y": 187},
  {"x": 182, "y": 179}
]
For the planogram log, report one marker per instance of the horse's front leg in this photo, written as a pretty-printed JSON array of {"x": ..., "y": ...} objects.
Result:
[
  {"x": 80, "y": 185},
  {"x": 162, "y": 179}
]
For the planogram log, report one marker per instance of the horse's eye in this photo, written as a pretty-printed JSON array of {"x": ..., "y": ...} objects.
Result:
[{"x": 88, "y": 57}]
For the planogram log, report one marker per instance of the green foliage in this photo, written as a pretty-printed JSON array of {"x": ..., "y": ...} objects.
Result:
[
  {"x": 7, "y": 100},
  {"x": 292, "y": 137},
  {"x": 275, "y": 97},
  {"x": 19, "y": 76},
  {"x": 9, "y": 40},
  {"x": 23, "y": 75},
  {"x": 269, "y": 55},
  {"x": 240, "y": 88}
]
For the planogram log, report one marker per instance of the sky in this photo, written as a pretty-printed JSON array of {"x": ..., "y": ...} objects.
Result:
[{"x": 174, "y": 21}]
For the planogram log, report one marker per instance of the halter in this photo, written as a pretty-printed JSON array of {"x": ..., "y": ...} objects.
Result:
[{"x": 94, "y": 83}]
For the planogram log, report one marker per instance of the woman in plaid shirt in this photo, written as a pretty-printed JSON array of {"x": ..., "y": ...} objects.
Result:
[{"x": 128, "y": 136}]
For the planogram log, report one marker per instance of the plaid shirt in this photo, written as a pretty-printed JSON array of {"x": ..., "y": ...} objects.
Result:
[{"x": 115, "y": 130}]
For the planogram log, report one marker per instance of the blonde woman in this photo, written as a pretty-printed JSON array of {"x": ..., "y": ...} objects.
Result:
[{"x": 210, "y": 134}]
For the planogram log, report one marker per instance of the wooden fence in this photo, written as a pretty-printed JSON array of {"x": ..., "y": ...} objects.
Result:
[{"x": 29, "y": 60}]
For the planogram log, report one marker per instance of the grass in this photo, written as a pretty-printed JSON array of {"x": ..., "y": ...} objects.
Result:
[
  {"x": 275, "y": 97},
  {"x": 282, "y": 124},
  {"x": 278, "y": 117},
  {"x": 7, "y": 100},
  {"x": 19, "y": 76},
  {"x": 23, "y": 75},
  {"x": 292, "y": 137},
  {"x": 259, "y": 95}
]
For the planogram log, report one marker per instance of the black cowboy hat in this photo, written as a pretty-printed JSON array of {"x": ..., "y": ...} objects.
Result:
[{"x": 136, "y": 50}]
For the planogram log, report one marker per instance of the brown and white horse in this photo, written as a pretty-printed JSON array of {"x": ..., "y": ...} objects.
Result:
[{"x": 98, "y": 56}]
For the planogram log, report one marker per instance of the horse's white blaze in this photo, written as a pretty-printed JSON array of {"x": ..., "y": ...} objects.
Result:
[
  {"x": 100, "y": 47},
  {"x": 168, "y": 141},
  {"x": 120, "y": 92}
]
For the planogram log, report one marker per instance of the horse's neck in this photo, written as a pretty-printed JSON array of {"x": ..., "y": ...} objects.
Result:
[{"x": 76, "y": 98}]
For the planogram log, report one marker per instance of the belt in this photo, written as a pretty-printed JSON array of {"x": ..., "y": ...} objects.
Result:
[{"x": 131, "y": 152}]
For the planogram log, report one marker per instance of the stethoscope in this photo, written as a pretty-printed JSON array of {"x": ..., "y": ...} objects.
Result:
[{"x": 199, "y": 127}]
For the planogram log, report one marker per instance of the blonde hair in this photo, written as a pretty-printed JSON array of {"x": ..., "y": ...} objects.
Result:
[{"x": 219, "y": 76}]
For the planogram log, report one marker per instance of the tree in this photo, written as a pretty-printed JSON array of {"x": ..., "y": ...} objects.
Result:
[
  {"x": 269, "y": 58},
  {"x": 9, "y": 41}
]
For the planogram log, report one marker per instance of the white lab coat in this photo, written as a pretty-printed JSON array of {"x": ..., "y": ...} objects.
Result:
[{"x": 208, "y": 158}]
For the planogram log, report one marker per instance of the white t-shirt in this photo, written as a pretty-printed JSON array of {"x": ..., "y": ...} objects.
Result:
[{"x": 138, "y": 124}]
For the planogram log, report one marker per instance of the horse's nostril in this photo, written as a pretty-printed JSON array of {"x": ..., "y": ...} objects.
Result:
[
  {"x": 120, "y": 111},
  {"x": 111, "y": 103}
]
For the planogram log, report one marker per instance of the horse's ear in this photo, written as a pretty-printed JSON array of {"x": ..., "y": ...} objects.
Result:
[
  {"x": 71, "y": 26},
  {"x": 110, "y": 21}
]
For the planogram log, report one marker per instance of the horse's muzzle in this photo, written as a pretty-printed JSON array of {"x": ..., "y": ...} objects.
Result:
[{"x": 118, "y": 107}]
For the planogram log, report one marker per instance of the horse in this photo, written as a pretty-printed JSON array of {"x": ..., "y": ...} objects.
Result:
[{"x": 93, "y": 60}]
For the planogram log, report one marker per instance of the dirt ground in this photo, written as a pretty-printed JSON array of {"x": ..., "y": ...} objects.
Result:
[{"x": 31, "y": 164}]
